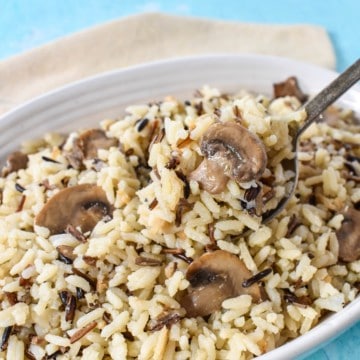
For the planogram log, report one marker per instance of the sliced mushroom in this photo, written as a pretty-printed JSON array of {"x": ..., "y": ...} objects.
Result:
[
  {"x": 231, "y": 151},
  {"x": 80, "y": 206},
  {"x": 210, "y": 176},
  {"x": 289, "y": 87},
  {"x": 349, "y": 236},
  {"x": 15, "y": 161},
  {"x": 87, "y": 145},
  {"x": 215, "y": 277}
]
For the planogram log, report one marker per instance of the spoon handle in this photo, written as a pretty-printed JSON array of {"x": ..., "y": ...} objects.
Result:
[{"x": 331, "y": 93}]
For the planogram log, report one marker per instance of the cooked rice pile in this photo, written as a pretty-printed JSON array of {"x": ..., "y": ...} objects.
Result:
[{"x": 115, "y": 292}]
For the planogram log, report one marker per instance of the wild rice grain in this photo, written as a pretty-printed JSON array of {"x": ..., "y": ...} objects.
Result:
[
  {"x": 64, "y": 295},
  {"x": 183, "y": 178},
  {"x": 82, "y": 332},
  {"x": 19, "y": 188},
  {"x": 80, "y": 293},
  {"x": 142, "y": 124},
  {"x": 182, "y": 206},
  {"x": 292, "y": 225},
  {"x": 70, "y": 308},
  {"x": 153, "y": 204},
  {"x": 173, "y": 163},
  {"x": 21, "y": 203},
  {"x": 45, "y": 158},
  {"x": 256, "y": 278},
  {"x": 178, "y": 253},
  {"x": 88, "y": 278},
  {"x": 107, "y": 317},
  {"x": 66, "y": 254},
  {"x": 291, "y": 298},
  {"x": 165, "y": 320},
  {"x": 146, "y": 261},
  {"x": 5, "y": 338},
  {"x": 212, "y": 246},
  {"x": 129, "y": 152},
  {"x": 76, "y": 233},
  {"x": 251, "y": 193}
]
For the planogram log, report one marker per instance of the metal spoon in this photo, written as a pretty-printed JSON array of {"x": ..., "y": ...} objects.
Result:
[{"x": 313, "y": 109}]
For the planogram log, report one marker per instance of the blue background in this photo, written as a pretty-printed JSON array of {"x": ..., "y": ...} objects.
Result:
[{"x": 25, "y": 24}]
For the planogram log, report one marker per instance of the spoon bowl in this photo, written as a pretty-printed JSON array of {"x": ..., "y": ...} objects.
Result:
[{"x": 313, "y": 109}]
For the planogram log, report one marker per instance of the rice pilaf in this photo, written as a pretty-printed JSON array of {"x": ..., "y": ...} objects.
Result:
[{"x": 113, "y": 246}]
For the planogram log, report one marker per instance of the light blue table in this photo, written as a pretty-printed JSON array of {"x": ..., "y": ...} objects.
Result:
[{"x": 25, "y": 24}]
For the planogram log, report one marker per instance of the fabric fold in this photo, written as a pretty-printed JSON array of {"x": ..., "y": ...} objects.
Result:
[{"x": 149, "y": 37}]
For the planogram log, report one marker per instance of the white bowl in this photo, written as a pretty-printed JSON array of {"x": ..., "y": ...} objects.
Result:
[{"x": 85, "y": 103}]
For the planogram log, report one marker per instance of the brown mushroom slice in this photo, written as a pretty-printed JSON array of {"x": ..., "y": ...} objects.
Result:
[
  {"x": 15, "y": 161},
  {"x": 87, "y": 145},
  {"x": 231, "y": 151},
  {"x": 94, "y": 139},
  {"x": 80, "y": 206},
  {"x": 210, "y": 176},
  {"x": 289, "y": 87},
  {"x": 215, "y": 277},
  {"x": 349, "y": 236}
]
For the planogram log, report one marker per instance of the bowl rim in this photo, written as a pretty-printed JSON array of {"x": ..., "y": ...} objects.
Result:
[
  {"x": 175, "y": 61},
  {"x": 326, "y": 330}
]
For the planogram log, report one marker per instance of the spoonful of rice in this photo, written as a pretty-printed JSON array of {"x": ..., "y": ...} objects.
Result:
[{"x": 313, "y": 109}]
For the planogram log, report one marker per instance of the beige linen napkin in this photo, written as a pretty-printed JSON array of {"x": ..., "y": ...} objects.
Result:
[{"x": 147, "y": 37}]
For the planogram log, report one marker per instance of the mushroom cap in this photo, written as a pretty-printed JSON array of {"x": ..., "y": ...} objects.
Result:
[
  {"x": 211, "y": 177},
  {"x": 80, "y": 206},
  {"x": 215, "y": 277},
  {"x": 87, "y": 145},
  {"x": 349, "y": 236},
  {"x": 15, "y": 161},
  {"x": 289, "y": 87},
  {"x": 240, "y": 153},
  {"x": 92, "y": 140}
]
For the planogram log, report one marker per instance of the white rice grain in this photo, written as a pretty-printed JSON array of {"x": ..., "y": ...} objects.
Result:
[
  {"x": 15, "y": 349},
  {"x": 90, "y": 317},
  {"x": 26, "y": 260},
  {"x": 78, "y": 281},
  {"x": 142, "y": 278},
  {"x": 57, "y": 340},
  {"x": 14, "y": 315},
  {"x": 118, "y": 325},
  {"x": 118, "y": 347}
]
